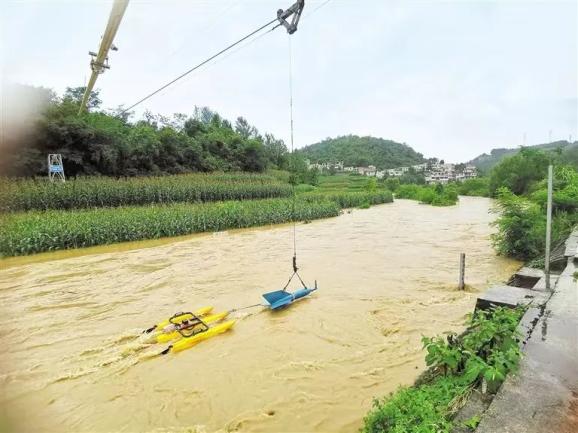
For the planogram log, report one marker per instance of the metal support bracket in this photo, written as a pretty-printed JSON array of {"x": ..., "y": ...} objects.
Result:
[
  {"x": 96, "y": 66},
  {"x": 294, "y": 11}
]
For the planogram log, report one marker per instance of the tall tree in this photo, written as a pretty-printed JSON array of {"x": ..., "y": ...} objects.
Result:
[
  {"x": 75, "y": 95},
  {"x": 275, "y": 149},
  {"x": 244, "y": 129}
]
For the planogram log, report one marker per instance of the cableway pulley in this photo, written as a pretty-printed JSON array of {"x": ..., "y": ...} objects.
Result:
[{"x": 294, "y": 11}]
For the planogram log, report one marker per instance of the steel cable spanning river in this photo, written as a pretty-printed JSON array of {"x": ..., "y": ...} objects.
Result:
[{"x": 73, "y": 360}]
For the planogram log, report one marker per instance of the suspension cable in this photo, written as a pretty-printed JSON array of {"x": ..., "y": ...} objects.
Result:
[
  {"x": 194, "y": 68},
  {"x": 234, "y": 44}
]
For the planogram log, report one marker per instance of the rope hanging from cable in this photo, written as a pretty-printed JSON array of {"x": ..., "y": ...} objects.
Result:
[
  {"x": 294, "y": 169},
  {"x": 293, "y": 216}
]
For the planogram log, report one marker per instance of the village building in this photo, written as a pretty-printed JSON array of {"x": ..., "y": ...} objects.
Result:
[{"x": 434, "y": 172}]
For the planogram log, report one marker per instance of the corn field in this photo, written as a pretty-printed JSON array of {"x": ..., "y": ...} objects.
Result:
[
  {"x": 24, "y": 195},
  {"x": 35, "y": 232},
  {"x": 39, "y": 231}
]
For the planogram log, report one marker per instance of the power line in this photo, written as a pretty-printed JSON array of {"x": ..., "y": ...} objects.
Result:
[{"x": 204, "y": 62}]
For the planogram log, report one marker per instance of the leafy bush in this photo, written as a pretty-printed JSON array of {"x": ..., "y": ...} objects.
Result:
[
  {"x": 436, "y": 195},
  {"x": 408, "y": 191},
  {"x": 521, "y": 226},
  {"x": 565, "y": 190},
  {"x": 519, "y": 172},
  {"x": 392, "y": 184},
  {"x": 478, "y": 187},
  {"x": 488, "y": 350},
  {"x": 522, "y": 221}
]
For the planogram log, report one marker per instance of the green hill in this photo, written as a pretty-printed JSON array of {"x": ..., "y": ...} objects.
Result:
[
  {"x": 362, "y": 151},
  {"x": 486, "y": 162}
]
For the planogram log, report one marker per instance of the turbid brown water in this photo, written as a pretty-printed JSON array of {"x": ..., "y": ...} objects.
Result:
[{"x": 73, "y": 361}]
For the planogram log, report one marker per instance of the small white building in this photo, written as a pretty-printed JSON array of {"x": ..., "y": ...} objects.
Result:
[{"x": 420, "y": 167}]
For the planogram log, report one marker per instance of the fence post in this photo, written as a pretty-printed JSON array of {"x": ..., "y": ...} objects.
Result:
[
  {"x": 548, "y": 228},
  {"x": 462, "y": 284}
]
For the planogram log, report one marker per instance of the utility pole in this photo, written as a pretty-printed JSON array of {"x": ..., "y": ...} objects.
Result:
[
  {"x": 548, "y": 228},
  {"x": 99, "y": 61},
  {"x": 550, "y": 136}
]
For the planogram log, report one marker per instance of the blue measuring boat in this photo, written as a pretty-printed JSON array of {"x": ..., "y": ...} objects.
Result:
[{"x": 282, "y": 298}]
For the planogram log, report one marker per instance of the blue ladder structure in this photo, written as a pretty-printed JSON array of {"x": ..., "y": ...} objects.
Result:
[{"x": 55, "y": 167}]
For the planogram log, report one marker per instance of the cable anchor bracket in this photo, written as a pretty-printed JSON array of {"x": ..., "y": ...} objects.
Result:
[{"x": 295, "y": 11}]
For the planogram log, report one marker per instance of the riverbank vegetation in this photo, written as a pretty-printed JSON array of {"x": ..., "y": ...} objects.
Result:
[
  {"x": 476, "y": 187},
  {"x": 519, "y": 184},
  {"x": 435, "y": 195},
  {"x": 485, "y": 353}
]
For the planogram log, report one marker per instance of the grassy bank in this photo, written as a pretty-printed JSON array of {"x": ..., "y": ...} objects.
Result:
[
  {"x": 486, "y": 352},
  {"x": 38, "y": 231},
  {"x": 90, "y": 192},
  {"x": 435, "y": 195}
]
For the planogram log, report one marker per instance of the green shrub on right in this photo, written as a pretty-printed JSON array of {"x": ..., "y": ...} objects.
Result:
[{"x": 521, "y": 222}]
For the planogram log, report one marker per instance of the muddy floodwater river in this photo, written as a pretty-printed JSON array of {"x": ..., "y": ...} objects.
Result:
[{"x": 72, "y": 359}]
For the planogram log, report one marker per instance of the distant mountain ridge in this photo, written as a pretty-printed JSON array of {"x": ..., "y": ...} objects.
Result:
[
  {"x": 359, "y": 151},
  {"x": 485, "y": 162}
]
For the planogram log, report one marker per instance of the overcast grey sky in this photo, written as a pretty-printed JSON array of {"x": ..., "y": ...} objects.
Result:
[{"x": 452, "y": 79}]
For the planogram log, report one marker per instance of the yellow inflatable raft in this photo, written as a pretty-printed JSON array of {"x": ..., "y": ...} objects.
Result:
[
  {"x": 165, "y": 338},
  {"x": 188, "y": 342}
]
